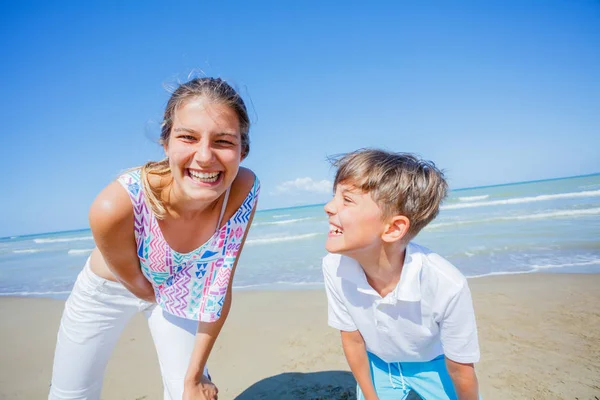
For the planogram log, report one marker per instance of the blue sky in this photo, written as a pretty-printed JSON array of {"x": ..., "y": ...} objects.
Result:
[{"x": 493, "y": 91}]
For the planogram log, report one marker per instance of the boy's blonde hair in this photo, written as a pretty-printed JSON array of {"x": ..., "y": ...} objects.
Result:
[{"x": 400, "y": 184}]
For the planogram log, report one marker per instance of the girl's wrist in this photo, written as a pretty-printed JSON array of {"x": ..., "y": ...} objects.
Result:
[{"x": 193, "y": 377}]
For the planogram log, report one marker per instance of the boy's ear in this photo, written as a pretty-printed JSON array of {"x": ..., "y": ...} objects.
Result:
[{"x": 396, "y": 229}]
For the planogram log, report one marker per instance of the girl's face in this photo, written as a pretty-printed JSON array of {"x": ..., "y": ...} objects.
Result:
[{"x": 204, "y": 149}]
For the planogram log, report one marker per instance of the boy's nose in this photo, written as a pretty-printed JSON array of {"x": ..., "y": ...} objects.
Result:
[{"x": 329, "y": 208}]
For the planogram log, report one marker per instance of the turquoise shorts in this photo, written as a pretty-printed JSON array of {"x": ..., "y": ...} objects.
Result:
[{"x": 429, "y": 379}]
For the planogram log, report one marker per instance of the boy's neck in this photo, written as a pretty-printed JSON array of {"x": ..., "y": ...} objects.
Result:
[{"x": 384, "y": 268}]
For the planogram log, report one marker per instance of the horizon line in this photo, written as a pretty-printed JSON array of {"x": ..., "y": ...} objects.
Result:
[{"x": 320, "y": 204}]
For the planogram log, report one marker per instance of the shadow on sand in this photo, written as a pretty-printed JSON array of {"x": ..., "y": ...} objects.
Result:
[{"x": 324, "y": 385}]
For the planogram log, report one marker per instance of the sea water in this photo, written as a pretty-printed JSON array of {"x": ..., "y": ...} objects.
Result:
[{"x": 542, "y": 226}]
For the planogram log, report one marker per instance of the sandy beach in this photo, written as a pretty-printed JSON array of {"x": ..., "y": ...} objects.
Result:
[{"x": 539, "y": 336}]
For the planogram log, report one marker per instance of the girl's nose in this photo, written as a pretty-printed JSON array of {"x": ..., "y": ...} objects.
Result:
[{"x": 204, "y": 154}]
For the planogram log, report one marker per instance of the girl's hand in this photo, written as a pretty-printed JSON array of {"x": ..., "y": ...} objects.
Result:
[{"x": 203, "y": 390}]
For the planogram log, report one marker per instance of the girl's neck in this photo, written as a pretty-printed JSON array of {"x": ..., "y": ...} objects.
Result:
[{"x": 178, "y": 206}]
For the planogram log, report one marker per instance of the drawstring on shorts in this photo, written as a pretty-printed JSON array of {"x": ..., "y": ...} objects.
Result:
[{"x": 401, "y": 376}]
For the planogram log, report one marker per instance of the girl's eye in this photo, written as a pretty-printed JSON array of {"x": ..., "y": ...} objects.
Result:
[
  {"x": 347, "y": 199},
  {"x": 187, "y": 137}
]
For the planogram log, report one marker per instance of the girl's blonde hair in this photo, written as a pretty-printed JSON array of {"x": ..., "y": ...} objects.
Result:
[{"x": 214, "y": 90}]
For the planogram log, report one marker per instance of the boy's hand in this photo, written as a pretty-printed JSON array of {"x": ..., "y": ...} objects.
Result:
[
  {"x": 356, "y": 355},
  {"x": 203, "y": 390},
  {"x": 464, "y": 379}
]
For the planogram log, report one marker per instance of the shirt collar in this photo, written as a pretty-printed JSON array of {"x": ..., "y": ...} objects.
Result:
[{"x": 409, "y": 287}]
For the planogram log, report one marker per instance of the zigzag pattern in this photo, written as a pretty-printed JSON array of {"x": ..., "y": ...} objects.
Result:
[{"x": 191, "y": 285}]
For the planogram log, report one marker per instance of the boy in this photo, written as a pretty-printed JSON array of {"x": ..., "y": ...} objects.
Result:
[{"x": 405, "y": 313}]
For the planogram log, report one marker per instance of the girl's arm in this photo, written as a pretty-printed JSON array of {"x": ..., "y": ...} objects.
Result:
[
  {"x": 464, "y": 380},
  {"x": 356, "y": 355},
  {"x": 196, "y": 386},
  {"x": 111, "y": 221}
]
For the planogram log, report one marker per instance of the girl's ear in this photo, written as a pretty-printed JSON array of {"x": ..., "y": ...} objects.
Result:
[{"x": 396, "y": 229}]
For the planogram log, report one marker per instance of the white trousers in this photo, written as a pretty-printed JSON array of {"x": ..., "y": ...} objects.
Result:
[{"x": 95, "y": 314}]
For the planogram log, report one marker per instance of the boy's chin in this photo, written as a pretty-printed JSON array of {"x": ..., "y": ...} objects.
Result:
[{"x": 334, "y": 249}]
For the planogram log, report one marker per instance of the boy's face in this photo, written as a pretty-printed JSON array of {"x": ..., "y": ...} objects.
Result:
[{"x": 355, "y": 222}]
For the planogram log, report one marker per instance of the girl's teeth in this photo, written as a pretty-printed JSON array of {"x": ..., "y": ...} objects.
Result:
[{"x": 204, "y": 177}]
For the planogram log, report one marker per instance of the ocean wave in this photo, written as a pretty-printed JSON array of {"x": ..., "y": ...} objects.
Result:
[
  {"x": 474, "y": 198},
  {"x": 282, "y": 239},
  {"x": 26, "y": 251},
  {"x": 537, "y": 268},
  {"x": 62, "y": 240},
  {"x": 575, "y": 264},
  {"x": 501, "y": 273},
  {"x": 548, "y": 215},
  {"x": 269, "y": 285},
  {"x": 285, "y": 221},
  {"x": 26, "y": 294},
  {"x": 80, "y": 251},
  {"x": 519, "y": 200},
  {"x": 281, "y": 216}
]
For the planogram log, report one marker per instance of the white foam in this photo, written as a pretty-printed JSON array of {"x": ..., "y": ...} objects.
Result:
[
  {"x": 554, "y": 214},
  {"x": 34, "y": 293},
  {"x": 519, "y": 200},
  {"x": 281, "y": 216},
  {"x": 285, "y": 221},
  {"x": 278, "y": 283},
  {"x": 474, "y": 198},
  {"x": 501, "y": 273},
  {"x": 80, "y": 251},
  {"x": 26, "y": 251},
  {"x": 538, "y": 268},
  {"x": 61, "y": 240},
  {"x": 282, "y": 239},
  {"x": 576, "y": 264},
  {"x": 548, "y": 215}
]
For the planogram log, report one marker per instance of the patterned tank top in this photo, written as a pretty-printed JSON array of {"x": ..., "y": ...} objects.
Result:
[{"x": 190, "y": 285}]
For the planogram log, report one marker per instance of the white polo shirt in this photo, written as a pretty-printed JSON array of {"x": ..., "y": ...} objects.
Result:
[{"x": 429, "y": 313}]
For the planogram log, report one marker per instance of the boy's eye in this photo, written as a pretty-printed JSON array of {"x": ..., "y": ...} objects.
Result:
[{"x": 225, "y": 142}]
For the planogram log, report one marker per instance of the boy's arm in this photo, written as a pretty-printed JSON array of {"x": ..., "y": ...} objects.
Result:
[
  {"x": 458, "y": 332},
  {"x": 464, "y": 379},
  {"x": 356, "y": 355},
  {"x": 352, "y": 341}
]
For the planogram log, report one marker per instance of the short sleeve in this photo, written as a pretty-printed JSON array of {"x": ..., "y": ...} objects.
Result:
[
  {"x": 458, "y": 328},
  {"x": 338, "y": 315}
]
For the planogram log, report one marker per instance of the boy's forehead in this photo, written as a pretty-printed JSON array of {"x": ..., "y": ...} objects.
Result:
[{"x": 350, "y": 186}]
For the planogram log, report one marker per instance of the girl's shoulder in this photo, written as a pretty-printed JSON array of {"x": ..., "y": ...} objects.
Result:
[
  {"x": 245, "y": 185},
  {"x": 112, "y": 209}
]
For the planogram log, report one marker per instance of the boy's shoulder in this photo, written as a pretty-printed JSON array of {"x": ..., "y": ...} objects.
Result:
[
  {"x": 331, "y": 261},
  {"x": 436, "y": 269},
  {"x": 338, "y": 268},
  {"x": 424, "y": 267}
]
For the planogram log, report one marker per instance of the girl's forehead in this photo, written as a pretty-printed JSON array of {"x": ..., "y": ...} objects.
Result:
[{"x": 204, "y": 111}]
